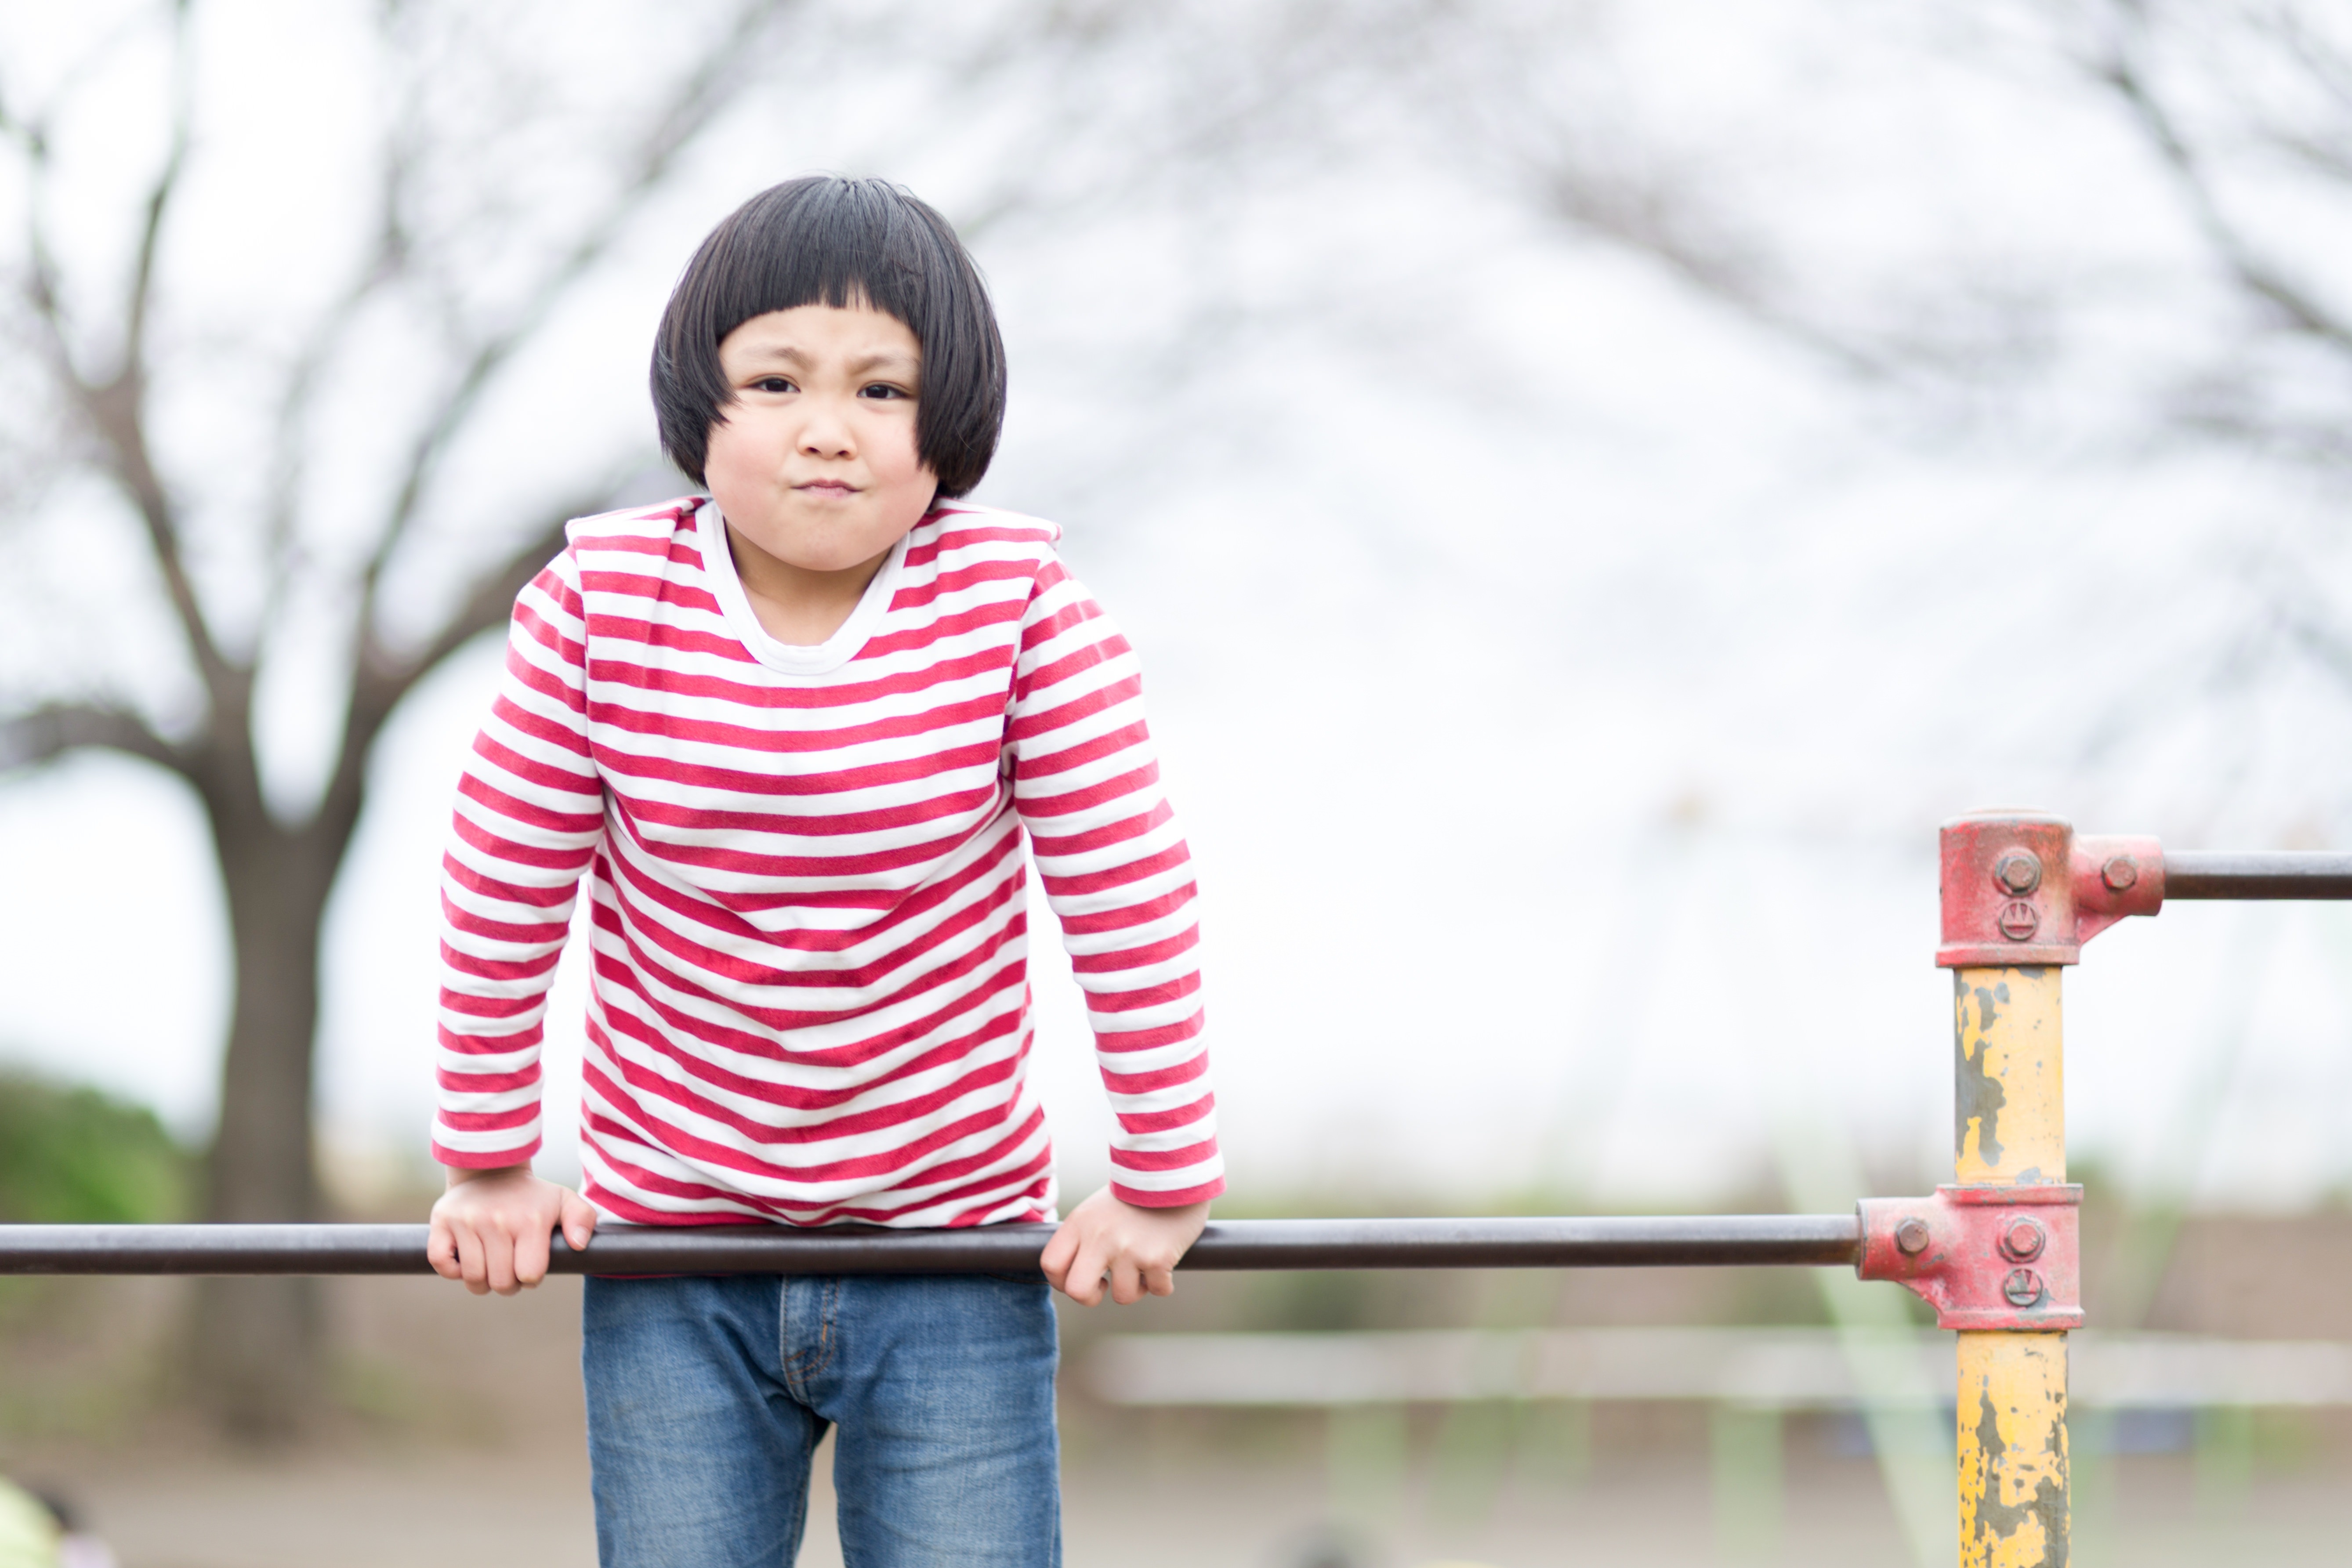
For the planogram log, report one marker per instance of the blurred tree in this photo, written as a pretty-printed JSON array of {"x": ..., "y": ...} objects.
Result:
[
  {"x": 254, "y": 1351},
  {"x": 1843, "y": 202},
  {"x": 2242, "y": 115},
  {"x": 2100, "y": 232},
  {"x": 2246, "y": 109},
  {"x": 306, "y": 475},
  {"x": 2203, "y": 302}
]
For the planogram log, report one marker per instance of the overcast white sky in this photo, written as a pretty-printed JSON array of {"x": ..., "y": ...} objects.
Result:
[{"x": 1560, "y": 680}]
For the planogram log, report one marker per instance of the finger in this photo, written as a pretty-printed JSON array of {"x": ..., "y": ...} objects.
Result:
[
  {"x": 1126, "y": 1283},
  {"x": 1084, "y": 1283},
  {"x": 441, "y": 1249},
  {"x": 531, "y": 1245},
  {"x": 1055, "y": 1261},
  {"x": 1160, "y": 1281},
  {"x": 470, "y": 1266},
  {"x": 499, "y": 1259},
  {"x": 579, "y": 1221}
]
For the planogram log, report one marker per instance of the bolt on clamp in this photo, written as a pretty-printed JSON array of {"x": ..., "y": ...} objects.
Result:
[
  {"x": 1984, "y": 1257},
  {"x": 2020, "y": 888}
]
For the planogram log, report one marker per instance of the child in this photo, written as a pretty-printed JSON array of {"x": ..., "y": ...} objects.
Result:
[{"x": 792, "y": 734}]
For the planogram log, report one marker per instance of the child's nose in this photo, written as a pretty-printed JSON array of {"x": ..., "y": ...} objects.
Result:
[{"x": 826, "y": 434}]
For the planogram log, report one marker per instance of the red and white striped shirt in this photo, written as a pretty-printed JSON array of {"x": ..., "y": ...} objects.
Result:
[{"x": 809, "y": 999}]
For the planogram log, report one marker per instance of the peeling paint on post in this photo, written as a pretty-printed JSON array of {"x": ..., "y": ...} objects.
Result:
[
  {"x": 2009, "y": 1105},
  {"x": 2013, "y": 1418},
  {"x": 2010, "y": 1129},
  {"x": 2011, "y": 889}
]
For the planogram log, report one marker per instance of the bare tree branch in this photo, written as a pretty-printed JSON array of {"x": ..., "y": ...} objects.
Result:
[
  {"x": 2121, "y": 71},
  {"x": 491, "y": 601},
  {"x": 115, "y": 407},
  {"x": 2328, "y": 68},
  {"x": 700, "y": 98},
  {"x": 1648, "y": 221},
  {"x": 2328, "y": 152},
  {"x": 381, "y": 679},
  {"x": 378, "y": 684},
  {"x": 53, "y": 729},
  {"x": 143, "y": 275},
  {"x": 385, "y": 262}
]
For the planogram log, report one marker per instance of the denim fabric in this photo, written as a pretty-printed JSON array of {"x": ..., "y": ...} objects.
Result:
[{"x": 706, "y": 1397}]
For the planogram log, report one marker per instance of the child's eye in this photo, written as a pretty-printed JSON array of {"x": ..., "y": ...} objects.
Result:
[
  {"x": 883, "y": 390},
  {"x": 771, "y": 383}
]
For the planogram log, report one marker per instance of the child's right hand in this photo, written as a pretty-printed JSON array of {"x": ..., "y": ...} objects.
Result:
[{"x": 492, "y": 1228}]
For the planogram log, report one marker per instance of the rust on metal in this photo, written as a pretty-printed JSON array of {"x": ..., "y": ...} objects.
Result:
[
  {"x": 2008, "y": 1102},
  {"x": 2115, "y": 877},
  {"x": 1976, "y": 1095},
  {"x": 2002, "y": 1258},
  {"x": 2002, "y": 905},
  {"x": 2019, "y": 889},
  {"x": 1988, "y": 1258},
  {"x": 2012, "y": 1450}
]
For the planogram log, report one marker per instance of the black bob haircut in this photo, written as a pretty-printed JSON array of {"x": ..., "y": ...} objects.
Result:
[{"x": 824, "y": 239}]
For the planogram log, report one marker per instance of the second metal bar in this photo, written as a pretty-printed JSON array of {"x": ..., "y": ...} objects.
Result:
[{"x": 2287, "y": 874}]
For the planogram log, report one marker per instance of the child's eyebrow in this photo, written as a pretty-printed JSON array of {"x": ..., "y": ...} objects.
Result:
[
  {"x": 784, "y": 354},
  {"x": 887, "y": 359}
]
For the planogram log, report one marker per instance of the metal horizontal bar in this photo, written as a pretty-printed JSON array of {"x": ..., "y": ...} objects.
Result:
[
  {"x": 2283, "y": 874},
  {"x": 1265, "y": 1244},
  {"x": 1666, "y": 1240}
]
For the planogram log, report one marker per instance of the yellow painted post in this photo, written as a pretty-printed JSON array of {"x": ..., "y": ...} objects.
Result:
[
  {"x": 1999, "y": 1250},
  {"x": 2010, "y": 1129},
  {"x": 2010, "y": 1077}
]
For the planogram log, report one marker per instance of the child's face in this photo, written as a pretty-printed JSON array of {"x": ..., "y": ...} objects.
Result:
[{"x": 813, "y": 462}]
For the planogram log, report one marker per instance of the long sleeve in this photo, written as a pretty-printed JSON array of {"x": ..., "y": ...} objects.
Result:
[
  {"x": 528, "y": 816},
  {"x": 1118, "y": 874}
]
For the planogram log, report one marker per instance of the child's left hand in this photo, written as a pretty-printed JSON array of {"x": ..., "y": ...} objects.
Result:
[{"x": 1135, "y": 1249}]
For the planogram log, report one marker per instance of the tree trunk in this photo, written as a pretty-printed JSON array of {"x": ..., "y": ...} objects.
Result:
[{"x": 257, "y": 1357}]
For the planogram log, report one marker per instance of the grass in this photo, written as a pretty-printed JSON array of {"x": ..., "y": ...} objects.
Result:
[{"x": 72, "y": 1154}]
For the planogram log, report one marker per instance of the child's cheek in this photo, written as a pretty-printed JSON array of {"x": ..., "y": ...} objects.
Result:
[
  {"x": 895, "y": 458},
  {"x": 739, "y": 452}
]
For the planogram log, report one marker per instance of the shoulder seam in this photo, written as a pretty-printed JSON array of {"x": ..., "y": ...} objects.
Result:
[
  {"x": 962, "y": 516},
  {"x": 658, "y": 520}
]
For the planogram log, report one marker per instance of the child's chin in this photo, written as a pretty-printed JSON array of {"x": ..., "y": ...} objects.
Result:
[{"x": 832, "y": 552}]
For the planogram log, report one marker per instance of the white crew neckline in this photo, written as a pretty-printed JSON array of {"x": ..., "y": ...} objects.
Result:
[{"x": 789, "y": 658}]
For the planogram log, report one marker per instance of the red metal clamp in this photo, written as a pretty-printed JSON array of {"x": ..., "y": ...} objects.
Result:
[
  {"x": 2019, "y": 889},
  {"x": 1984, "y": 1258}
]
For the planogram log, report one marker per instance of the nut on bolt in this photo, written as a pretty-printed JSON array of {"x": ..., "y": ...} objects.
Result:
[
  {"x": 2120, "y": 872},
  {"x": 2023, "y": 1239},
  {"x": 2022, "y": 1288},
  {"x": 2018, "y": 871},
  {"x": 1911, "y": 1236}
]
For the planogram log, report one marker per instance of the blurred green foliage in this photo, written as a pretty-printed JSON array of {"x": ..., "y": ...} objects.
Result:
[{"x": 72, "y": 1154}]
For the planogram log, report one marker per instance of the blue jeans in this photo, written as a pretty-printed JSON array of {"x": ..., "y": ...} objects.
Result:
[{"x": 706, "y": 1397}]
